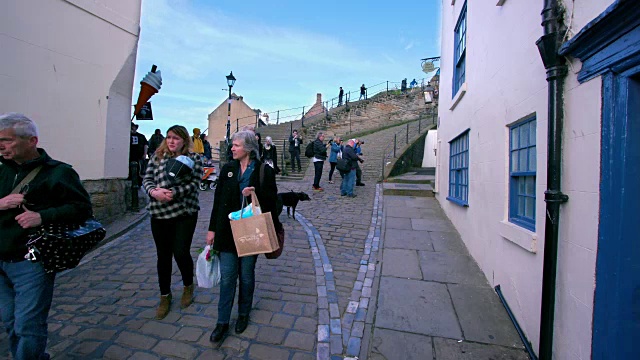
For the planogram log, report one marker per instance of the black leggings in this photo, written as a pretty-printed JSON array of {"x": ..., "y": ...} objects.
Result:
[
  {"x": 333, "y": 167},
  {"x": 173, "y": 239}
]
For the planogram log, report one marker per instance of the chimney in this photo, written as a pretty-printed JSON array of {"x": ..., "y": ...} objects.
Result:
[{"x": 319, "y": 98}]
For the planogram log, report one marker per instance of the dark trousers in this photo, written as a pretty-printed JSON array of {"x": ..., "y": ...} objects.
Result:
[
  {"x": 232, "y": 267},
  {"x": 333, "y": 168},
  {"x": 317, "y": 165},
  {"x": 173, "y": 239},
  {"x": 358, "y": 174},
  {"x": 295, "y": 155}
]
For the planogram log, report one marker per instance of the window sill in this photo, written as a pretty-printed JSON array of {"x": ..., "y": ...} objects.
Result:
[
  {"x": 458, "y": 201},
  {"x": 459, "y": 95},
  {"x": 520, "y": 236}
]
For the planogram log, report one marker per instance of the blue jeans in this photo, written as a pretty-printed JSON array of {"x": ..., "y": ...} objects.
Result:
[
  {"x": 348, "y": 182},
  {"x": 230, "y": 267},
  {"x": 26, "y": 292}
]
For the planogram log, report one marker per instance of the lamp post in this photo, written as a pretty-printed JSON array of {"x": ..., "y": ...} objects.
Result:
[{"x": 230, "y": 81}]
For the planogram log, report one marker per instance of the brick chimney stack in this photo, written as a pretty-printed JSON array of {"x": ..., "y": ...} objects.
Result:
[{"x": 319, "y": 98}]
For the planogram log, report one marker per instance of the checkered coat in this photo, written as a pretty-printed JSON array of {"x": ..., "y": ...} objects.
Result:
[{"x": 185, "y": 193}]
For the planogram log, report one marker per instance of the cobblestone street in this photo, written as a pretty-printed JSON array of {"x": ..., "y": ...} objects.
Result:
[{"x": 317, "y": 301}]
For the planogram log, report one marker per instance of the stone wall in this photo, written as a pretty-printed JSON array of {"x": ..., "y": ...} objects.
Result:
[{"x": 108, "y": 197}]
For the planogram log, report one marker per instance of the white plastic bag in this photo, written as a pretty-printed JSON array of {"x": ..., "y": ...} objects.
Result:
[{"x": 208, "y": 271}]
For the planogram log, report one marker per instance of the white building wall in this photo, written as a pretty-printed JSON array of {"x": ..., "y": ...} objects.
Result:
[
  {"x": 506, "y": 81},
  {"x": 430, "y": 145},
  {"x": 69, "y": 65}
]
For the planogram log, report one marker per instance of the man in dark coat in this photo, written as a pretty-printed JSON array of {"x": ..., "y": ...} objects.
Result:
[
  {"x": 53, "y": 195},
  {"x": 349, "y": 178},
  {"x": 294, "y": 149},
  {"x": 319, "y": 156}
]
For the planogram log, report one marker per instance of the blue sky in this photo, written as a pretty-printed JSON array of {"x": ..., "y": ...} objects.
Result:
[{"x": 281, "y": 52}]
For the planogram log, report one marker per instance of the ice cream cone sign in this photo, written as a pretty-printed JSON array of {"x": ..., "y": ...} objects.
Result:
[{"x": 150, "y": 84}]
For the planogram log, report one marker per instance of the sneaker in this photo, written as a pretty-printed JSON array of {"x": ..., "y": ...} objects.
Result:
[
  {"x": 360, "y": 184},
  {"x": 317, "y": 188}
]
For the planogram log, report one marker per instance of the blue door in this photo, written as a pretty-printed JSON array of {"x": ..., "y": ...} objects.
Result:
[{"x": 616, "y": 322}]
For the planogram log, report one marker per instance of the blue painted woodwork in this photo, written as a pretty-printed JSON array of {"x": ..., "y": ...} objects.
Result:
[
  {"x": 609, "y": 42},
  {"x": 459, "y": 169},
  {"x": 522, "y": 173},
  {"x": 460, "y": 51},
  {"x": 610, "y": 46}
]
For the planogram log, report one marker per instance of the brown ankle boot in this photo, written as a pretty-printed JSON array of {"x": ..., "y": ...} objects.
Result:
[
  {"x": 163, "y": 308},
  {"x": 187, "y": 296}
]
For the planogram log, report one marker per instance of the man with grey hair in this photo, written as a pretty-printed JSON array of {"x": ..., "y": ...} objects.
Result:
[
  {"x": 319, "y": 156},
  {"x": 34, "y": 190},
  {"x": 349, "y": 177}
]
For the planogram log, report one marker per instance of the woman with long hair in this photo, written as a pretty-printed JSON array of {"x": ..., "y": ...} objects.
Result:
[
  {"x": 238, "y": 178},
  {"x": 270, "y": 154},
  {"x": 171, "y": 180}
]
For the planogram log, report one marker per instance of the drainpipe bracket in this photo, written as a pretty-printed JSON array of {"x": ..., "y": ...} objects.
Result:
[{"x": 553, "y": 196}]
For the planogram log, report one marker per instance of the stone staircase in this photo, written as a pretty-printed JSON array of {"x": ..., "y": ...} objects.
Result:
[{"x": 377, "y": 112}]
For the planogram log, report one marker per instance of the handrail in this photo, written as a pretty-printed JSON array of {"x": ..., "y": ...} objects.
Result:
[{"x": 403, "y": 134}]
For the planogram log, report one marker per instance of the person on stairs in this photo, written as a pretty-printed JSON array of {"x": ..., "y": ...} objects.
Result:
[
  {"x": 270, "y": 154},
  {"x": 294, "y": 149},
  {"x": 363, "y": 92}
]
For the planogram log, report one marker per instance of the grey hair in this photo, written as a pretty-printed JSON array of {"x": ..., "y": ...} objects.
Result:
[
  {"x": 268, "y": 140},
  {"x": 249, "y": 142},
  {"x": 21, "y": 125},
  {"x": 320, "y": 133}
]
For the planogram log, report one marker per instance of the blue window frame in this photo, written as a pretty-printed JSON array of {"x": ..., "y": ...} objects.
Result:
[
  {"x": 522, "y": 173},
  {"x": 460, "y": 51},
  {"x": 459, "y": 169}
]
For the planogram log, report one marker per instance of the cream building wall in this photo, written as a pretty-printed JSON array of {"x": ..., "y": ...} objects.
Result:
[
  {"x": 69, "y": 65},
  {"x": 218, "y": 119},
  {"x": 505, "y": 82}
]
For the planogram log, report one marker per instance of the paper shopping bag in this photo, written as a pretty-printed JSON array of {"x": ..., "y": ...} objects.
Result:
[{"x": 256, "y": 234}]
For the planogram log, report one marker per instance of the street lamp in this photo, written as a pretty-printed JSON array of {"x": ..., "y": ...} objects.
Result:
[{"x": 230, "y": 81}]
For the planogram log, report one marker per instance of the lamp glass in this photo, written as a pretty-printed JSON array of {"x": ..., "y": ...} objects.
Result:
[{"x": 231, "y": 79}]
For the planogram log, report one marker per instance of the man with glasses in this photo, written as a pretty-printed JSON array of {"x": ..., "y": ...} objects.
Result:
[{"x": 34, "y": 190}]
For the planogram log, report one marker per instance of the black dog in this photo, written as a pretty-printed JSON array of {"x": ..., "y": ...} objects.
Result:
[{"x": 290, "y": 200}]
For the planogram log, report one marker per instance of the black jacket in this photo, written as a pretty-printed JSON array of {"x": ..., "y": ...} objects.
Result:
[
  {"x": 292, "y": 143},
  {"x": 56, "y": 193},
  {"x": 271, "y": 154},
  {"x": 350, "y": 155},
  {"x": 319, "y": 149},
  {"x": 228, "y": 197}
]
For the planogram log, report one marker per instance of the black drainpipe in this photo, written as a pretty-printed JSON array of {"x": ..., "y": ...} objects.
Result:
[{"x": 556, "y": 67}]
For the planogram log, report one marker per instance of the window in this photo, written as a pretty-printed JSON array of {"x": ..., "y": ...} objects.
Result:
[
  {"x": 522, "y": 173},
  {"x": 460, "y": 51},
  {"x": 459, "y": 169}
]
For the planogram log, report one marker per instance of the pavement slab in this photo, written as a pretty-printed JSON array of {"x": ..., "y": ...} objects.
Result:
[
  {"x": 397, "y": 345},
  {"x": 417, "y": 307},
  {"x": 408, "y": 239},
  {"x": 448, "y": 349},
  {"x": 401, "y": 263},
  {"x": 450, "y": 268}
]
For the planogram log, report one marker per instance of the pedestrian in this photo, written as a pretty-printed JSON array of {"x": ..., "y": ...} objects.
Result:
[
  {"x": 138, "y": 148},
  {"x": 336, "y": 150},
  {"x": 294, "y": 149},
  {"x": 358, "y": 151},
  {"x": 198, "y": 146},
  {"x": 319, "y": 156},
  {"x": 154, "y": 141},
  {"x": 340, "y": 95},
  {"x": 174, "y": 212},
  {"x": 363, "y": 92},
  {"x": 348, "y": 180},
  {"x": 260, "y": 146},
  {"x": 270, "y": 154},
  {"x": 238, "y": 179},
  {"x": 207, "y": 147},
  {"x": 54, "y": 195},
  {"x": 413, "y": 84},
  {"x": 403, "y": 86}
]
